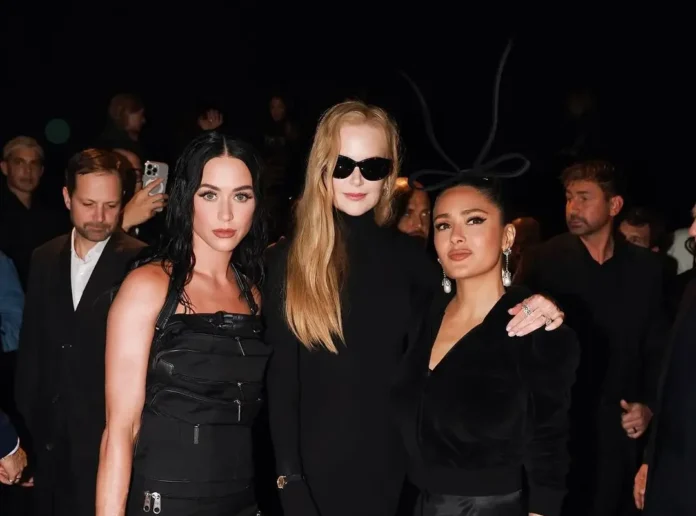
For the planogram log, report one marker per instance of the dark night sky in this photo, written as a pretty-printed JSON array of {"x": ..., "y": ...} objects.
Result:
[{"x": 71, "y": 60}]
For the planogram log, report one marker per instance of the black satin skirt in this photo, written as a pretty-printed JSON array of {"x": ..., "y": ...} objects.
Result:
[{"x": 453, "y": 505}]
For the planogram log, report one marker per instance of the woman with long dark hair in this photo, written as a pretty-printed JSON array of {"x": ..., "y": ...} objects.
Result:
[{"x": 185, "y": 358}]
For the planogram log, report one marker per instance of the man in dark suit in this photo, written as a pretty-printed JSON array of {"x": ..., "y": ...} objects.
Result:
[
  {"x": 612, "y": 294},
  {"x": 13, "y": 460},
  {"x": 60, "y": 366},
  {"x": 671, "y": 456}
]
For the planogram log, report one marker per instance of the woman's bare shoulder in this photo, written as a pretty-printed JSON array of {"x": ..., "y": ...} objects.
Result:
[{"x": 146, "y": 284}]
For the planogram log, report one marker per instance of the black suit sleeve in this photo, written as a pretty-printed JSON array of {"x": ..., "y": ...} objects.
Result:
[
  {"x": 649, "y": 451},
  {"x": 549, "y": 367},
  {"x": 284, "y": 390},
  {"x": 655, "y": 342},
  {"x": 30, "y": 340},
  {"x": 8, "y": 436},
  {"x": 684, "y": 308}
]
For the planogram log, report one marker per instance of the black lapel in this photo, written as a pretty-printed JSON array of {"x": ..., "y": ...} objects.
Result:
[
  {"x": 107, "y": 272},
  {"x": 63, "y": 279}
]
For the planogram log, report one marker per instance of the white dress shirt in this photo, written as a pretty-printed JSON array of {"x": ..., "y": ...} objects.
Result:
[{"x": 81, "y": 269}]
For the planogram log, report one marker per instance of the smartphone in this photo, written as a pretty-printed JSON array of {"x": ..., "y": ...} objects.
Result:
[{"x": 152, "y": 171}]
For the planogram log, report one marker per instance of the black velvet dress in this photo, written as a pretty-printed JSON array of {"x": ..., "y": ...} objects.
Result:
[{"x": 493, "y": 413}]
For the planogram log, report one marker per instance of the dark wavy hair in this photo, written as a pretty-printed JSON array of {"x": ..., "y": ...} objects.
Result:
[
  {"x": 175, "y": 248},
  {"x": 492, "y": 188}
]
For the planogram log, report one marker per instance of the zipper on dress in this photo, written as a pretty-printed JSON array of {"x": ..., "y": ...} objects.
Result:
[
  {"x": 241, "y": 346},
  {"x": 147, "y": 503},
  {"x": 157, "y": 503}
]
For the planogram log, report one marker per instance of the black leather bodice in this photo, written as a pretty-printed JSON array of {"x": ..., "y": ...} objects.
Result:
[
  {"x": 208, "y": 369},
  {"x": 204, "y": 389}
]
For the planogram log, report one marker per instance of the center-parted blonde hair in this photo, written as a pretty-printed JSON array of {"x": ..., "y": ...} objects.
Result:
[{"x": 317, "y": 260}]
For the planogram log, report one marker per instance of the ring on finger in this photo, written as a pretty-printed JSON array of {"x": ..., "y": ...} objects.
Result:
[{"x": 526, "y": 309}]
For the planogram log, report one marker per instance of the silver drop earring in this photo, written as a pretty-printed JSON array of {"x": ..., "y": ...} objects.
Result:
[
  {"x": 446, "y": 283},
  {"x": 507, "y": 277}
]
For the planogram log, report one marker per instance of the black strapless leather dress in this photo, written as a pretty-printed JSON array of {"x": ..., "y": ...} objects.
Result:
[{"x": 204, "y": 390}]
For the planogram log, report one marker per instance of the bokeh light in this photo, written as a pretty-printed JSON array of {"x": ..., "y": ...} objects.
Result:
[{"x": 57, "y": 131}]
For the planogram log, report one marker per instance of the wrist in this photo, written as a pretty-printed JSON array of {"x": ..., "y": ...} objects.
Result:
[{"x": 126, "y": 225}]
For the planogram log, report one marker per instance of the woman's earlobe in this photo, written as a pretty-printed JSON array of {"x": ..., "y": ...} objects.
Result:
[{"x": 510, "y": 234}]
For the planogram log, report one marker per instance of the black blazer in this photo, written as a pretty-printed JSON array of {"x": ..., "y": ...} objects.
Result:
[
  {"x": 60, "y": 364},
  {"x": 617, "y": 311},
  {"x": 8, "y": 435},
  {"x": 671, "y": 453}
]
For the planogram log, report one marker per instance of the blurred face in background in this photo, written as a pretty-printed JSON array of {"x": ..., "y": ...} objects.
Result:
[
  {"x": 137, "y": 167},
  {"x": 416, "y": 219},
  {"x": 637, "y": 235},
  {"x": 23, "y": 168},
  {"x": 277, "y": 108}
]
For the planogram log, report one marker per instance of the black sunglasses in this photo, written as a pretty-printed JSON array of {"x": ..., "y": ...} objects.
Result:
[{"x": 372, "y": 169}]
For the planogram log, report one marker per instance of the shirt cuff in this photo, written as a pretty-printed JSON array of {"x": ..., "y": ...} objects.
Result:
[{"x": 13, "y": 451}]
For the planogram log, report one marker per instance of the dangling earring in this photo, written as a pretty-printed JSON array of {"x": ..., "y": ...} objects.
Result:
[
  {"x": 507, "y": 277},
  {"x": 446, "y": 283}
]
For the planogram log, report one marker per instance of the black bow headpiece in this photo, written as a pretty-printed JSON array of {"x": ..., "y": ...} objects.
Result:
[{"x": 480, "y": 169}]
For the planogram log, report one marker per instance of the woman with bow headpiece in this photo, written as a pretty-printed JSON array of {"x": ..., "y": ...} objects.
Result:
[{"x": 481, "y": 412}]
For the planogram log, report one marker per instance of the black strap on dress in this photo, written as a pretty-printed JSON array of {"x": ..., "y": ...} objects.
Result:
[{"x": 173, "y": 297}]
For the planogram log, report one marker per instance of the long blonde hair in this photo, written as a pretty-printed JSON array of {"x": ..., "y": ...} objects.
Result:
[{"x": 317, "y": 260}]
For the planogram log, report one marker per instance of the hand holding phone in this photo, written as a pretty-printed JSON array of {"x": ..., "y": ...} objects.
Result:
[{"x": 156, "y": 170}]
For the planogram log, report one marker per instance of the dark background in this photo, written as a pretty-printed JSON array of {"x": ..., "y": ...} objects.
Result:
[{"x": 65, "y": 60}]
